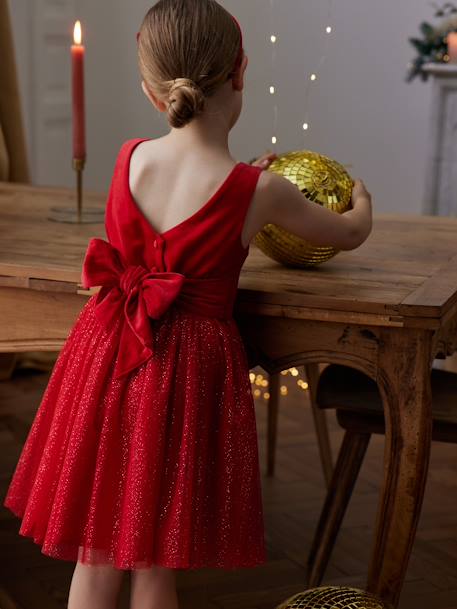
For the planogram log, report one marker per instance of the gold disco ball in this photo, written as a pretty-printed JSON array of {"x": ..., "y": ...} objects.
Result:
[
  {"x": 331, "y": 597},
  {"x": 321, "y": 180}
]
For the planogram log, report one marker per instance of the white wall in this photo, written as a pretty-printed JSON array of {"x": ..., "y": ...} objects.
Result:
[{"x": 361, "y": 110}]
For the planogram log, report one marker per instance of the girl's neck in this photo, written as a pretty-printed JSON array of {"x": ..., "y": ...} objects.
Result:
[
  {"x": 208, "y": 132},
  {"x": 199, "y": 135}
]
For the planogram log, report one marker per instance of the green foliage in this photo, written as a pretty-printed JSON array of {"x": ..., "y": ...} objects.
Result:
[
  {"x": 427, "y": 30},
  {"x": 432, "y": 47}
]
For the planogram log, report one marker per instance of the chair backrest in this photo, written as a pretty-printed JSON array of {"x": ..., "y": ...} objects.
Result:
[{"x": 344, "y": 388}]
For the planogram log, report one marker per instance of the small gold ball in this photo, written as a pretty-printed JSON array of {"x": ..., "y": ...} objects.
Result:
[{"x": 333, "y": 597}]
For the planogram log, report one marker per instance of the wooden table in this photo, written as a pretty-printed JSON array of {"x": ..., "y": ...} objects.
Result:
[{"x": 388, "y": 309}]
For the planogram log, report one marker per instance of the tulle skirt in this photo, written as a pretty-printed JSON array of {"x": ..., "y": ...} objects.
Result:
[{"x": 157, "y": 468}]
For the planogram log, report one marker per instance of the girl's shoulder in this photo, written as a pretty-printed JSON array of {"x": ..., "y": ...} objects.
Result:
[
  {"x": 124, "y": 152},
  {"x": 131, "y": 143}
]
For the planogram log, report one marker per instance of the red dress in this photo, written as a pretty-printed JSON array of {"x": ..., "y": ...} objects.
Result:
[{"x": 144, "y": 448}]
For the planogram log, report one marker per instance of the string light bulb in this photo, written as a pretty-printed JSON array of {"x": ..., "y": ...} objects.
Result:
[
  {"x": 313, "y": 77},
  {"x": 305, "y": 126},
  {"x": 274, "y": 140},
  {"x": 272, "y": 90},
  {"x": 328, "y": 29},
  {"x": 273, "y": 38}
]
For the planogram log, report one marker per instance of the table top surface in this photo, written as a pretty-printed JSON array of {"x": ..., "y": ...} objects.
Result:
[{"x": 407, "y": 267}]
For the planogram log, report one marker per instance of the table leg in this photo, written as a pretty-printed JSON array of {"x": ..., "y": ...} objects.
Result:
[
  {"x": 272, "y": 427},
  {"x": 404, "y": 381}
]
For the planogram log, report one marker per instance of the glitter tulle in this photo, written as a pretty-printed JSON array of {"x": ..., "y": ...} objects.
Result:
[{"x": 160, "y": 467}]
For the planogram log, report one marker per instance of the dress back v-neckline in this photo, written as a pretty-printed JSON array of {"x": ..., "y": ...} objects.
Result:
[{"x": 199, "y": 212}]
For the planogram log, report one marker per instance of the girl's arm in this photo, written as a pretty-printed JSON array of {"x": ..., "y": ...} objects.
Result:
[{"x": 280, "y": 202}]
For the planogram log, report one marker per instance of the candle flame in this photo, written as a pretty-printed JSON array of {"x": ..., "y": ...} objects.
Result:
[{"x": 77, "y": 33}]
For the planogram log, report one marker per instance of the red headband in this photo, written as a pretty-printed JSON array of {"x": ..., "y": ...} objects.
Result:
[{"x": 239, "y": 57}]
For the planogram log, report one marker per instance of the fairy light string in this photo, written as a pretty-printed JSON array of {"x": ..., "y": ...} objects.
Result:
[
  {"x": 313, "y": 77},
  {"x": 260, "y": 383},
  {"x": 273, "y": 41}
]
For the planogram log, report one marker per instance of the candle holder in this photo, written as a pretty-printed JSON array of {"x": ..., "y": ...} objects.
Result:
[{"x": 90, "y": 215}]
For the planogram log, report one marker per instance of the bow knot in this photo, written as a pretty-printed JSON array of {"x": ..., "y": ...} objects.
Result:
[
  {"x": 131, "y": 277},
  {"x": 133, "y": 292}
]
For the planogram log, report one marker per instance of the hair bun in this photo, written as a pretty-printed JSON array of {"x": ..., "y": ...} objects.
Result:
[{"x": 186, "y": 100}]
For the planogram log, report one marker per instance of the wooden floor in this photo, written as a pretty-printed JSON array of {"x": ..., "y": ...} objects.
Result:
[{"x": 292, "y": 500}]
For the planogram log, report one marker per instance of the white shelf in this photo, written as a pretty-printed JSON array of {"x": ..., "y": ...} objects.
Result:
[{"x": 440, "y": 69}]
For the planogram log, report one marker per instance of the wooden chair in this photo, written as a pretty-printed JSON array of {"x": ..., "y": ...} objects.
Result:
[{"x": 359, "y": 411}]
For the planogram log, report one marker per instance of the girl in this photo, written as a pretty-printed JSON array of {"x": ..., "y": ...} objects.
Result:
[{"x": 143, "y": 453}]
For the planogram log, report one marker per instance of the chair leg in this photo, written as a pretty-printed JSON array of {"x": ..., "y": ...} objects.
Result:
[
  {"x": 350, "y": 458},
  {"x": 320, "y": 423},
  {"x": 272, "y": 424},
  {"x": 311, "y": 372}
]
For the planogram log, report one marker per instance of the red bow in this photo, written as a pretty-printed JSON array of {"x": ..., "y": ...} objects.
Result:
[{"x": 132, "y": 289}]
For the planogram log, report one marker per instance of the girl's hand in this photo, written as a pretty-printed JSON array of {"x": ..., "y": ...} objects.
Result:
[
  {"x": 359, "y": 192},
  {"x": 265, "y": 160}
]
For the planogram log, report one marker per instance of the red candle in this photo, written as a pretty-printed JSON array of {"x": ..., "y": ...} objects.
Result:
[{"x": 79, "y": 122}]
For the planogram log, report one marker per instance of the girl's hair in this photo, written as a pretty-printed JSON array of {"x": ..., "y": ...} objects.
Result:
[{"x": 186, "y": 50}]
